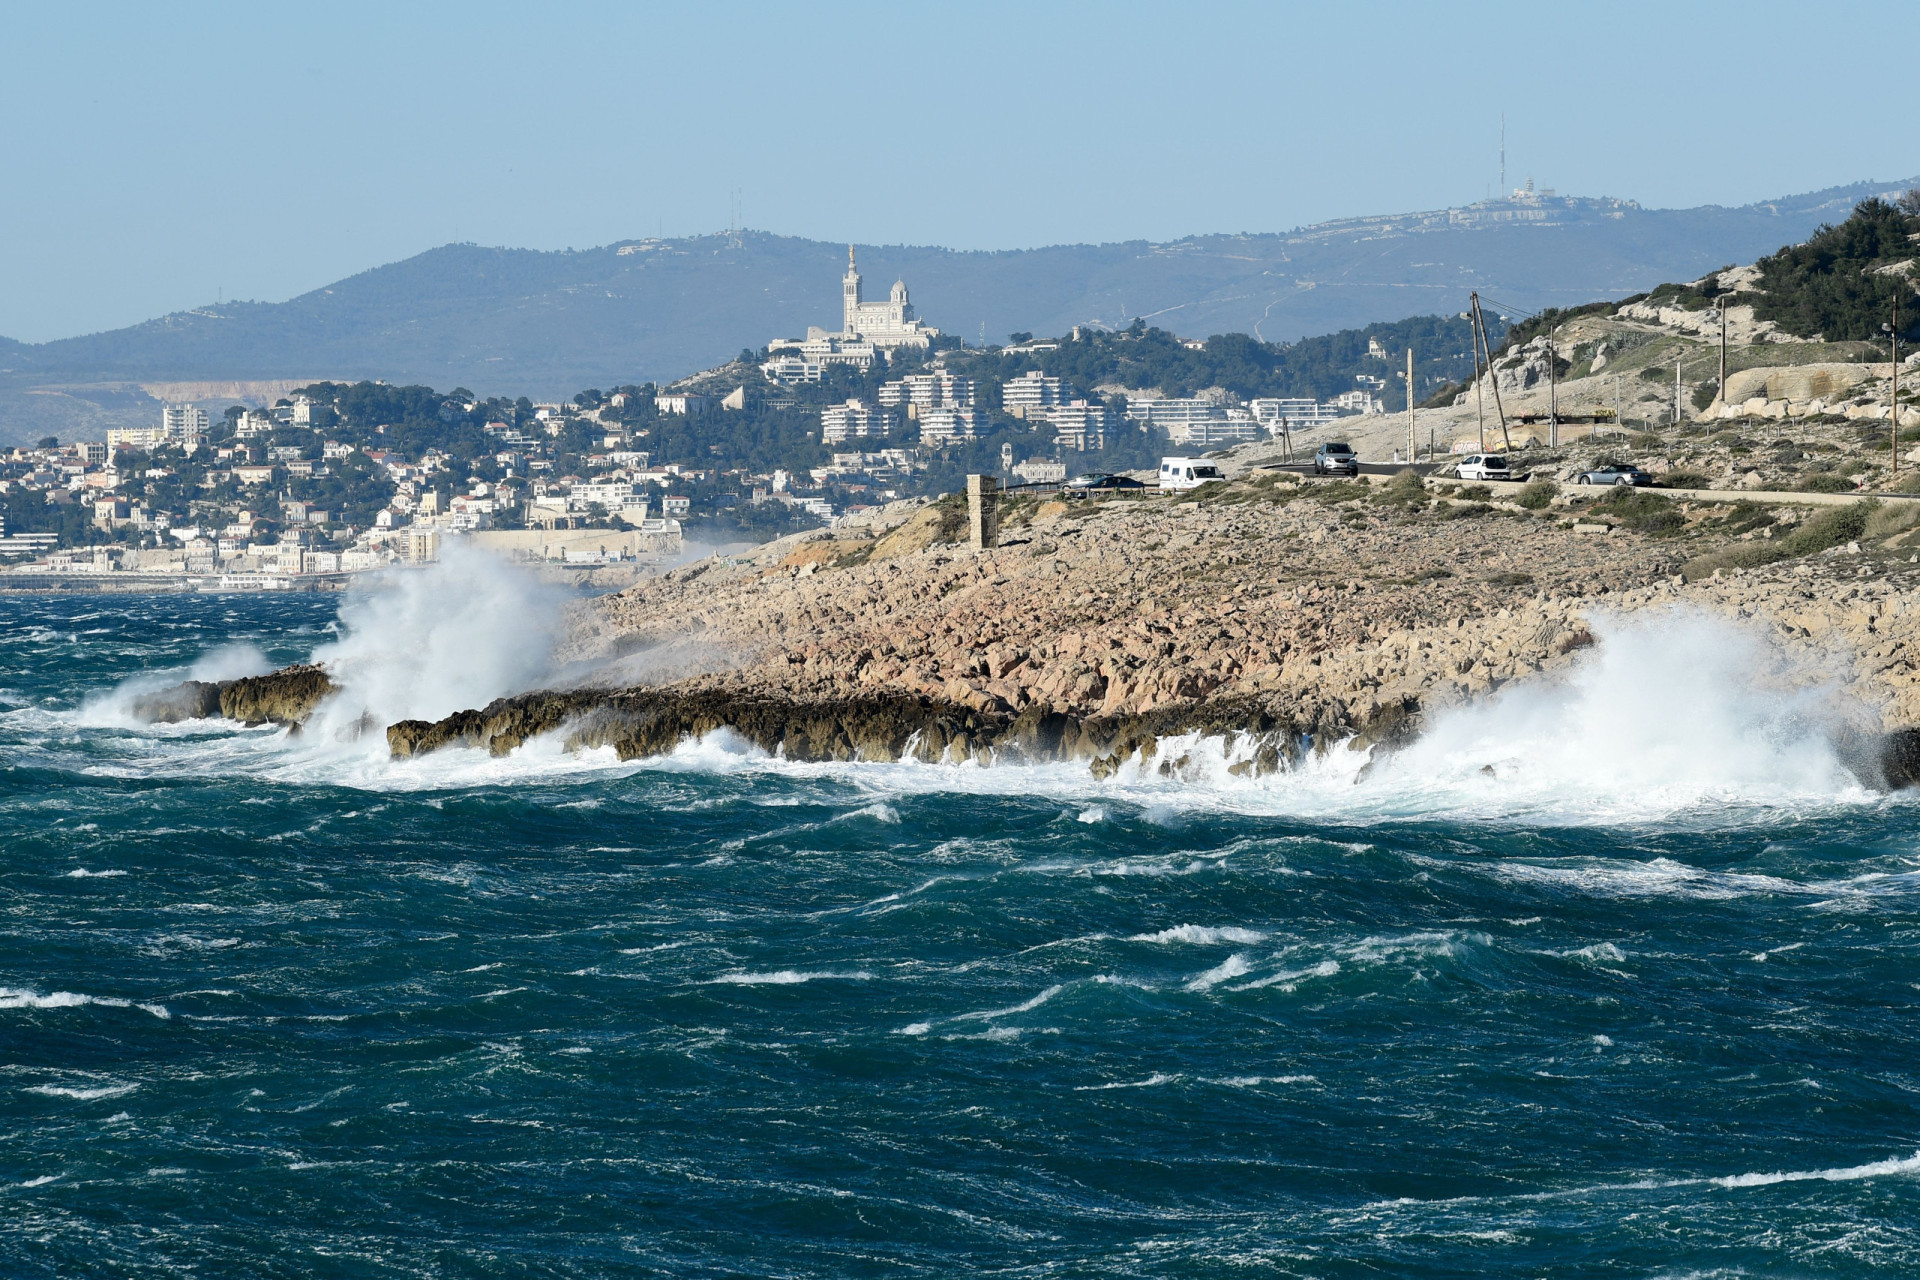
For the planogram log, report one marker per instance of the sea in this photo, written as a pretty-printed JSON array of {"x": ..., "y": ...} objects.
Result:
[{"x": 1611, "y": 975}]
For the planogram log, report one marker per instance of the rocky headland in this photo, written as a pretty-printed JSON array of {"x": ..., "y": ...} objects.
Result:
[{"x": 1302, "y": 613}]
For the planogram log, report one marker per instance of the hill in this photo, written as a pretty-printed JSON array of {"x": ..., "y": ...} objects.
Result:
[{"x": 514, "y": 321}]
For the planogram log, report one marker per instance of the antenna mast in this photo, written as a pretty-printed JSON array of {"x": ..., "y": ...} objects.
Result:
[{"x": 1503, "y": 155}]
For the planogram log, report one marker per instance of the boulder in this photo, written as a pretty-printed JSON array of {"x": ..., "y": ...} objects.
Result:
[
  {"x": 286, "y": 696},
  {"x": 191, "y": 700}
]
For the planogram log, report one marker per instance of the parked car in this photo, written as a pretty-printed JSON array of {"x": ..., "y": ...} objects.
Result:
[
  {"x": 1100, "y": 482},
  {"x": 1484, "y": 466},
  {"x": 1615, "y": 473},
  {"x": 1335, "y": 458},
  {"x": 1186, "y": 473}
]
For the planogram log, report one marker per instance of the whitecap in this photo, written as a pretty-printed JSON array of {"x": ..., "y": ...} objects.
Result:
[
  {"x": 21, "y": 998},
  {"x": 1877, "y": 1169},
  {"x": 1202, "y": 935},
  {"x": 81, "y": 873},
  {"x": 788, "y": 977},
  {"x": 1153, "y": 1081},
  {"x": 81, "y": 1095},
  {"x": 1233, "y": 966}
]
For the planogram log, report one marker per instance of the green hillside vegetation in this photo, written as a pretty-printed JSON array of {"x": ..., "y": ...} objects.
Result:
[
  {"x": 1845, "y": 281},
  {"x": 1146, "y": 358}
]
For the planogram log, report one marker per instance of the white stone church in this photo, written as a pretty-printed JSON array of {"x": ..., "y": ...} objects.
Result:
[{"x": 868, "y": 331}]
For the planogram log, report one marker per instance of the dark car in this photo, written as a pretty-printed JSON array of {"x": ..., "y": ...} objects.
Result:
[
  {"x": 1100, "y": 482},
  {"x": 1336, "y": 459},
  {"x": 1615, "y": 473}
]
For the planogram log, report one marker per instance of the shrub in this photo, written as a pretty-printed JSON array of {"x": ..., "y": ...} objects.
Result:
[
  {"x": 1682, "y": 480},
  {"x": 1836, "y": 526},
  {"x": 1536, "y": 495},
  {"x": 1405, "y": 489},
  {"x": 1641, "y": 512},
  {"x": 1826, "y": 482}
]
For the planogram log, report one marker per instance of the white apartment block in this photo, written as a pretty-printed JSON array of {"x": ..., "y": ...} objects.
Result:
[
  {"x": 854, "y": 420},
  {"x": 184, "y": 422},
  {"x": 610, "y": 495},
  {"x": 686, "y": 403},
  {"x": 1235, "y": 426},
  {"x": 1174, "y": 413},
  {"x": 1082, "y": 424},
  {"x": 926, "y": 391},
  {"x": 1297, "y": 413},
  {"x": 1359, "y": 402},
  {"x": 945, "y": 423},
  {"x": 1033, "y": 390}
]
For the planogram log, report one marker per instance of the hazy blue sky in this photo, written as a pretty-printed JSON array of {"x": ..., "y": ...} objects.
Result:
[{"x": 155, "y": 157}]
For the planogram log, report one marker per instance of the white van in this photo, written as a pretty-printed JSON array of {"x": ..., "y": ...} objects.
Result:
[{"x": 1186, "y": 473}]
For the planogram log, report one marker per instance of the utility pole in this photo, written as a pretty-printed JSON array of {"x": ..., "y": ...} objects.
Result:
[
  {"x": 1486, "y": 345},
  {"x": 1677, "y": 358},
  {"x": 1479, "y": 399},
  {"x": 1619, "y": 424},
  {"x": 1553, "y": 385},
  {"x": 1413, "y": 437},
  {"x": 1893, "y": 395},
  {"x": 1723, "y": 353}
]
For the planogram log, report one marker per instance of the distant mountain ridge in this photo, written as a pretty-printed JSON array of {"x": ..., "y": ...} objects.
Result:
[{"x": 545, "y": 324}]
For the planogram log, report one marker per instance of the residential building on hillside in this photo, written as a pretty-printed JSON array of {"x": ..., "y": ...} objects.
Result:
[
  {"x": 855, "y": 419},
  {"x": 1040, "y": 471},
  {"x": 945, "y": 423},
  {"x": 184, "y": 422},
  {"x": 1298, "y": 413},
  {"x": 805, "y": 359},
  {"x": 1359, "y": 402},
  {"x": 926, "y": 390},
  {"x": 1033, "y": 390},
  {"x": 686, "y": 403},
  {"x": 1082, "y": 424},
  {"x": 1197, "y": 422}
]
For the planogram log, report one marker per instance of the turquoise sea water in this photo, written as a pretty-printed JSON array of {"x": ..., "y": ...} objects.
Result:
[{"x": 1585, "y": 990}]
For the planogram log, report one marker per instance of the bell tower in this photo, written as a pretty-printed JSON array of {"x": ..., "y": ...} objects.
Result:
[{"x": 850, "y": 296}]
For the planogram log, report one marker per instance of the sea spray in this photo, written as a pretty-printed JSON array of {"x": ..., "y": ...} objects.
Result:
[{"x": 421, "y": 644}]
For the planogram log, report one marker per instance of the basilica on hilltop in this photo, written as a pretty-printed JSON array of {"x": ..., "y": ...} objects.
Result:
[{"x": 868, "y": 331}]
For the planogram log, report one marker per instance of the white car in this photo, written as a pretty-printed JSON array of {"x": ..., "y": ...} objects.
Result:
[
  {"x": 1483, "y": 466},
  {"x": 1186, "y": 473}
]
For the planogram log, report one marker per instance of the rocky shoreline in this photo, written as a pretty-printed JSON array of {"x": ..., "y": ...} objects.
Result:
[{"x": 1289, "y": 616}]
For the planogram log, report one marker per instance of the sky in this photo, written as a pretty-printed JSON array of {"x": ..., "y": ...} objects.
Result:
[{"x": 155, "y": 158}]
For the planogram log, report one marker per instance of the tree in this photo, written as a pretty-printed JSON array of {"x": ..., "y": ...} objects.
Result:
[
  {"x": 49, "y": 442},
  {"x": 1843, "y": 283}
]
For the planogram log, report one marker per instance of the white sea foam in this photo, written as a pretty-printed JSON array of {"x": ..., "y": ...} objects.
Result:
[
  {"x": 1234, "y": 966},
  {"x": 1288, "y": 979},
  {"x": 1899, "y": 1166},
  {"x": 789, "y": 977},
  {"x": 21, "y": 998},
  {"x": 1153, "y": 1081},
  {"x": 82, "y": 1095},
  {"x": 81, "y": 873},
  {"x": 1202, "y": 935}
]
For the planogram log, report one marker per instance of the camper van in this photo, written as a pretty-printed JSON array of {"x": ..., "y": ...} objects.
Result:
[{"x": 1186, "y": 473}]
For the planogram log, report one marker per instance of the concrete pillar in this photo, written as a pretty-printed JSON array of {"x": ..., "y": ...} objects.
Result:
[{"x": 983, "y": 510}]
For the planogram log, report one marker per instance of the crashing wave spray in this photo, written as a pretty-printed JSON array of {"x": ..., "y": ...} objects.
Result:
[
  {"x": 422, "y": 644},
  {"x": 1672, "y": 710}
]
